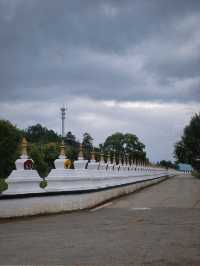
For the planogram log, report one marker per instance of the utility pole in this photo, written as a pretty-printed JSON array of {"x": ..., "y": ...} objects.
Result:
[{"x": 63, "y": 113}]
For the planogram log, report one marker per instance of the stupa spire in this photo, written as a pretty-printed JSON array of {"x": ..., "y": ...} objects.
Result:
[
  {"x": 114, "y": 158},
  {"x": 62, "y": 150},
  {"x": 80, "y": 155},
  {"x": 93, "y": 155},
  {"x": 24, "y": 145},
  {"x": 108, "y": 158},
  {"x": 102, "y": 157}
]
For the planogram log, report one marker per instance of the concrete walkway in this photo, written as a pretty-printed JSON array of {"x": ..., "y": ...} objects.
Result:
[{"x": 159, "y": 225}]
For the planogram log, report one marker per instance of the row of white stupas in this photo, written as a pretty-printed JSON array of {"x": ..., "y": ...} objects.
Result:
[
  {"x": 86, "y": 175},
  {"x": 81, "y": 163}
]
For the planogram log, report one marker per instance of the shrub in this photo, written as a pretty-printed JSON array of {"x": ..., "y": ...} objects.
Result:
[
  {"x": 43, "y": 183},
  {"x": 36, "y": 153},
  {"x": 9, "y": 142},
  {"x": 3, "y": 185}
]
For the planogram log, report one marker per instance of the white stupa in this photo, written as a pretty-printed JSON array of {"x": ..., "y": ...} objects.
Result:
[
  {"x": 23, "y": 180},
  {"x": 132, "y": 165},
  {"x": 102, "y": 164},
  {"x": 126, "y": 166},
  {"x": 120, "y": 165},
  {"x": 81, "y": 163},
  {"x": 109, "y": 163},
  {"x": 60, "y": 163},
  {"x": 114, "y": 162},
  {"x": 93, "y": 165},
  {"x": 58, "y": 177}
]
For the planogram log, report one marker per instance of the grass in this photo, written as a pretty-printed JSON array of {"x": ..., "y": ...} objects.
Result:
[{"x": 196, "y": 174}]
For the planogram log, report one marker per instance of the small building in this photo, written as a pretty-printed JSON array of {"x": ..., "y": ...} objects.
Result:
[{"x": 184, "y": 167}]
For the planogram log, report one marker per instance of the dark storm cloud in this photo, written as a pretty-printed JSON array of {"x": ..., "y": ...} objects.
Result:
[{"x": 122, "y": 50}]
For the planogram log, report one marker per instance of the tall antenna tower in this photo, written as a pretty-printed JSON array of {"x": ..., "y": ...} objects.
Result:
[{"x": 63, "y": 113}]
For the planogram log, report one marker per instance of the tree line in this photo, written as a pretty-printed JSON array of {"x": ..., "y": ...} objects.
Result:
[
  {"x": 187, "y": 149},
  {"x": 44, "y": 147}
]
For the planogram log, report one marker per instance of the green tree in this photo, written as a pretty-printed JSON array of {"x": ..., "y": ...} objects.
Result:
[
  {"x": 114, "y": 142},
  {"x": 44, "y": 156},
  {"x": 36, "y": 153},
  {"x": 39, "y": 134},
  {"x": 166, "y": 164},
  {"x": 87, "y": 145},
  {"x": 72, "y": 146},
  {"x": 51, "y": 152},
  {"x": 10, "y": 137},
  {"x": 70, "y": 139},
  {"x": 125, "y": 144},
  {"x": 187, "y": 150}
]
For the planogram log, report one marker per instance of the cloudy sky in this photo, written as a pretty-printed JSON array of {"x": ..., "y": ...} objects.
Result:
[{"x": 130, "y": 66}]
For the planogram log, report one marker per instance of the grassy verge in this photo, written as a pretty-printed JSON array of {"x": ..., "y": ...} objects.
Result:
[{"x": 196, "y": 174}]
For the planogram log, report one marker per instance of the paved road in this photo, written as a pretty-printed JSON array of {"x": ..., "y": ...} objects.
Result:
[{"x": 159, "y": 225}]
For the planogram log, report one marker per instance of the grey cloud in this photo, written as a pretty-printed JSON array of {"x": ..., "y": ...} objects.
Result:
[{"x": 91, "y": 48}]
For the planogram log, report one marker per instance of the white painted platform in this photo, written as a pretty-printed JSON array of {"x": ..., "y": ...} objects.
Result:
[
  {"x": 44, "y": 203},
  {"x": 23, "y": 182}
]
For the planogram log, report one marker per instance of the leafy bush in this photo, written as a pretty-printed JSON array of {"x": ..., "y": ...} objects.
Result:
[
  {"x": 43, "y": 156},
  {"x": 10, "y": 137},
  {"x": 3, "y": 185},
  {"x": 43, "y": 183},
  {"x": 36, "y": 153}
]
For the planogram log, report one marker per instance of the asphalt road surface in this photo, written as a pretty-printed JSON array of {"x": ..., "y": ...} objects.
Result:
[{"x": 159, "y": 225}]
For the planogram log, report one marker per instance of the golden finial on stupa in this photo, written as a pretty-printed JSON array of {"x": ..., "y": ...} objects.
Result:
[
  {"x": 120, "y": 159},
  {"x": 124, "y": 159},
  {"x": 108, "y": 157},
  {"x": 114, "y": 159},
  {"x": 127, "y": 158},
  {"x": 102, "y": 157},
  {"x": 24, "y": 145},
  {"x": 80, "y": 155},
  {"x": 62, "y": 149},
  {"x": 93, "y": 155}
]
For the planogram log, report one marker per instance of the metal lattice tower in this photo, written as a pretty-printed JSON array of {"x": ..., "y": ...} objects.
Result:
[{"x": 63, "y": 113}]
